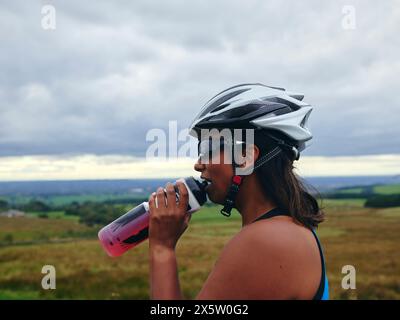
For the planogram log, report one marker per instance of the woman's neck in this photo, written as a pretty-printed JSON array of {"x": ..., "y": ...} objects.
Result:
[{"x": 251, "y": 201}]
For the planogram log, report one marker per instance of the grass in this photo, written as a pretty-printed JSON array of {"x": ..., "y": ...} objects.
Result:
[
  {"x": 54, "y": 215},
  {"x": 377, "y": 189},
  {"x": 343, "y": 204},
  {"x": 67, "y": 199},
  {"x": 351, "y": 190},
  {"x": 387, "y": 189},
  {"x": 29, "y": 230},
  {"x": 365, "y": 238},
  {"x": 390, "y": 212}
]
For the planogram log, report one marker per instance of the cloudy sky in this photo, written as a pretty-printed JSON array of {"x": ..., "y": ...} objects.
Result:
[{"x": 110, "y": 72}]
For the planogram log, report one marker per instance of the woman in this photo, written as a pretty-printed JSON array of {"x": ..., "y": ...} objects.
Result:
[{"x": 276, "y": 254}]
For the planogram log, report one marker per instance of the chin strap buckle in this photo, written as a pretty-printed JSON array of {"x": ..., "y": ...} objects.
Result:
[{"x": 230, "y": 198}]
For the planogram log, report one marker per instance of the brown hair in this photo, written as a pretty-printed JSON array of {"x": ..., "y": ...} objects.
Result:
[{"x": 284, "y": 187}]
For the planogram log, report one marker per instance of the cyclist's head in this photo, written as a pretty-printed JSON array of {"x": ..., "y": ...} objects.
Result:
[{"x": 277, "y": 122}]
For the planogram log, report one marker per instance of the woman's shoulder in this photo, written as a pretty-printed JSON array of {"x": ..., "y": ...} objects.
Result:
[
  {"x": 276, "y": 251},
  {"x": 269, "y": 259},
  {"x": 280, "y": 237},
  {"x": 272, "y": 233}
]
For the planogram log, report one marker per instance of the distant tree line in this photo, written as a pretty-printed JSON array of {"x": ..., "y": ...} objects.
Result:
[
  {"x": 383, "y": 201},
  {"x": 31, "y": 206},
  {"x": 339, "y": 195},
  {"x": 372, "y": 200},
  {"x": 126, "y": 201},
  {"x": 4, "y": 205},
  {"x": 93, "y": 213},
  {"x": 36, "y": 206},
  {"x": 90, "y": 213}
]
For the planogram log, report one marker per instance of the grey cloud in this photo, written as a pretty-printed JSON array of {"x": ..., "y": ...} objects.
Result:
[{"x": 112, "y": 71}]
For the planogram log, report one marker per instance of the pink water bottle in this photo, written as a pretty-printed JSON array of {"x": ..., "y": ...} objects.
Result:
[{"x": 132, "y": 228}]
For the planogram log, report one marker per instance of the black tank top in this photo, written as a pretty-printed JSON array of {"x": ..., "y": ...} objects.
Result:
[{"x": 281, "y": 212}]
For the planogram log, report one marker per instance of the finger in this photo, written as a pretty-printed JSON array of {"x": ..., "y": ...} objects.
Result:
[
  {"x": 152, "y": 202},
  {"x": 187, "y": 218},
  {"x": 183, "y": 195},
  {"x": 160, "y": 196},
  {"x": 171, "y": 195}
]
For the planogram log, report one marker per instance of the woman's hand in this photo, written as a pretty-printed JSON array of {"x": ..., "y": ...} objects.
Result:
[{"x": 168, "y": 219}]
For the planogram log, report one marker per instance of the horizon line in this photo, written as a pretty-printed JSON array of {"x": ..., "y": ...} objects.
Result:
[
  {"x": 120, "y": 167},
  {"x": 177, "y": 177}
]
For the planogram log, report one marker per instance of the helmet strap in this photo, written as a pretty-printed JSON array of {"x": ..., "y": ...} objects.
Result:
[
  {"x": 237, "y": 180},
  {"x": 292, "y": 149},
  {"x": 230, "y": 198}
]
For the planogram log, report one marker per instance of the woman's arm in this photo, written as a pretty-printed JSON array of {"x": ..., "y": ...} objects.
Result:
[
  {"x": 164, "y": 281},
  {"x": 168, "y": 221}
]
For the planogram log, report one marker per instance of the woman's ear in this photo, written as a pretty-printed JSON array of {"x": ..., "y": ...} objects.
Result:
[{"x": 250, "y": 155}]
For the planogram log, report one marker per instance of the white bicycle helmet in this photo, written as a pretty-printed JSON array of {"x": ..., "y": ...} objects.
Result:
[
  {"x": 264, "y": 108},
  {"x": 257, "y": 106}
]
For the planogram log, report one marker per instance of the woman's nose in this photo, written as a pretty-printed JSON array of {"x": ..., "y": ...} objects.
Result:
[{"x": 198, "y": 166}]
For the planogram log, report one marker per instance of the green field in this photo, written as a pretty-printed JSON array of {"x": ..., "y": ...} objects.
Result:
[
  {"x": 62, "y": 200},
  {"x": 387, "y": 189},
  {"x": 342, "y": 203},
  {"x": 351, "y": 190},
  {"x": 368, "y": 239},
  {"x": 53, "y": 215},
  {"x": 377, "y": 189}
]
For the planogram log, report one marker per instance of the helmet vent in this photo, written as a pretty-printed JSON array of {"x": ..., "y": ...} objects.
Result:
[
  {"x": 216, "y": 104},
  {"x": 222, "y": 106},
  {"x": 304, "y": 121}
]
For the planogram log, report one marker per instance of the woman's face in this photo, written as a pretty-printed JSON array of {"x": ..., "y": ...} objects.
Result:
[{"x": 218, "y": 174}]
